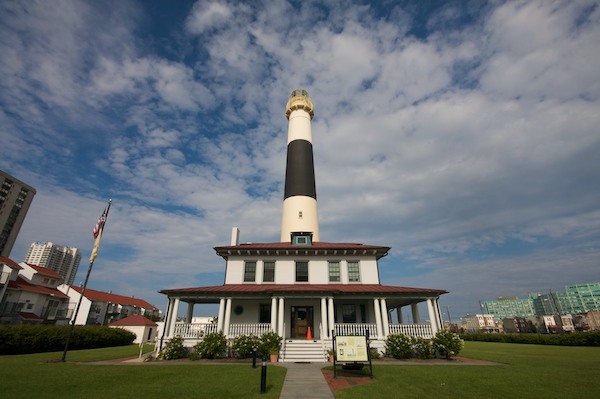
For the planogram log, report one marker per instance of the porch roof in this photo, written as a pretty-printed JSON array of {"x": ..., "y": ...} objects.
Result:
[
  {"x": 316, "y": 248},
  {"x": 331, "y": 289}
]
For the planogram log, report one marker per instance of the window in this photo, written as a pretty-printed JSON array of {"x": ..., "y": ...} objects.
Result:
[
  {"x": 269, "y": 272},
  {"x": 348, "y": 314},
  {"x": 353, "y": 272},
  {"x": 301, "y": 272},
  {"x": 250, "y": 272},
  {"x": 334, "y": 271},
  {"x": 264, "y": 315},
  {"x": 301, "y": 238},
  {"x": 363, "y": 313}
]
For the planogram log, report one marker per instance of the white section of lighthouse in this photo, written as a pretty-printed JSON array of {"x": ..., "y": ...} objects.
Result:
[{"x": 300, "y": 222}]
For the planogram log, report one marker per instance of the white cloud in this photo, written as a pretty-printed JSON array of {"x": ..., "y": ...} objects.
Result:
[
  {"x": 444, "y": 144},
  {"x": 208, "y": 15}
]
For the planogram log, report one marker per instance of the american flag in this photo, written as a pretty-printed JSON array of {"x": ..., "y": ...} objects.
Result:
[{"x": 99, "y": 224}]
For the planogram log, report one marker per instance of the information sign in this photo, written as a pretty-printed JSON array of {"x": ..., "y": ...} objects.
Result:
[{"x": 352, "y": 349}]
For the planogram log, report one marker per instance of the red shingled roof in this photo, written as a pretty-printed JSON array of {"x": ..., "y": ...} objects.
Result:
[
  {"x": 10, "y": 263},
  {"x": 134, "y": 320},
  {"x": 45, "y": 271},
  {"x": 102, "y": 296},
  {"x": 290, "y": 288},
  {"x": 21, "y": 284}
]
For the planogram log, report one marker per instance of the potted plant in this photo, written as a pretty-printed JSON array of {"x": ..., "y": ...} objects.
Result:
[
  {"x": 330, "y": 355},
  {"x": 274, "y": 354}
]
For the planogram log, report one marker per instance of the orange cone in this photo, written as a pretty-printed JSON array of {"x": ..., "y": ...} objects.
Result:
[{"x": 308, "y": 334}]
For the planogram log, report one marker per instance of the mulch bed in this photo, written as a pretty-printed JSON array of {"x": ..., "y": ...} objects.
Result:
[{"x": 345, "y": 379}]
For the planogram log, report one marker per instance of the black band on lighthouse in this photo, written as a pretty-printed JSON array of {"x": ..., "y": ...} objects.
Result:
[{"x": 300, "y": 170}]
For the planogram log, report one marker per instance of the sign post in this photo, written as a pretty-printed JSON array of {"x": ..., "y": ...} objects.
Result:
[{"x": 352, "y": 351}]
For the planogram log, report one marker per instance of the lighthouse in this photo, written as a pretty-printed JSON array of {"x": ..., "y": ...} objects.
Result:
[{"x": 300, "y": 222}]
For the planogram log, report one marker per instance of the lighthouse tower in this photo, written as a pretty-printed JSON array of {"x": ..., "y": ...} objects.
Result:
[{"x": 300, "y": 222}]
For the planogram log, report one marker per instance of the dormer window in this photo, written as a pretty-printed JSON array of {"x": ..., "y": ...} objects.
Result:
[{"x": 301, "y": 238}]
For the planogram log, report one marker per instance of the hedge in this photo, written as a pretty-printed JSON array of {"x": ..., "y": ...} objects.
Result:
[
  {"x": 586, "y": 338},
  {"x": 21, "y": 339}
]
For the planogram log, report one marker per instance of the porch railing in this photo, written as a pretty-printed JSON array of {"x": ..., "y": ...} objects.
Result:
[
  {"x": 412, "y": 330},
  {"x": 193, "y": 330},
  {"x": 343, "y": 329},
  {"x": 258, "y": 329}
]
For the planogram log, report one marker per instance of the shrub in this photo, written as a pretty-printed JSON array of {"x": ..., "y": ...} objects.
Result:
[
  {"x": 399, "y": 346},
  {"x": 174, "y": 349},
  {"x": 212, "y": 346},
  {"x": 269, "y": 342},
  {"x": 447, "y": 343},
  {"x": 244, "y": 344},
  {"x": 21, "y": 339},
  {"x": 374, "y": 354},
  {"x": 423, "y": 348}
]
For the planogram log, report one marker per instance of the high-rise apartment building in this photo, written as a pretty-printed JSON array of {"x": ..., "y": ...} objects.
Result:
[
  {"x": 63, "y": 260},
  {"x": 15, "y": 198},
  {"x": 576, "y": 299}
]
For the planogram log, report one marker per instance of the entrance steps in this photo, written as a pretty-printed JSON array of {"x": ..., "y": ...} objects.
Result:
[{"x": 306, "y": 351}]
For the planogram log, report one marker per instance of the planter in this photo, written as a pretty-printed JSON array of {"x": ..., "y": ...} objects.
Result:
[{"x": 274, "y": 358}]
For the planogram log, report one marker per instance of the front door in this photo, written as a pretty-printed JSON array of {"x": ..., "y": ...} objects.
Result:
[{"x": 301, "y": 319}]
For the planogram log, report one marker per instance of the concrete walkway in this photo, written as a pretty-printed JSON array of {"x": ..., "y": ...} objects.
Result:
[{"x": 305, "y": 380}]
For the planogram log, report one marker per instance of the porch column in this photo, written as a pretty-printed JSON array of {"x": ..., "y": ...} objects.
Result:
[
  {"x": 432, "y": 316},
  {"x": 167, "y": 326},
  {"x": 280, "y": 311},
  {"x": 378, "y": 317},
  {"x": 399, "y": 315},
  {"x": 438, "y": 312},
  {"x": 385, "y": 318},
  {"x": 174, "y": 317},
  {"x": 190, "y": 312},
  {"x": 221, "y": 317},
  {"x": 274, "y": 314},
  {"x": 324, "y": 325},
  {"x": 330, "y": 315},
  {"x": 414, "y": 307},
  {"x": 227, "y": 317}
]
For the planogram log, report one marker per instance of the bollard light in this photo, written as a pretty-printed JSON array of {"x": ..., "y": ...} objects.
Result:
[{"x": 263, "y": 375}]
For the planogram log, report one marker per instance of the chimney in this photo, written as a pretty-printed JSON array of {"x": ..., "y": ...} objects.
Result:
[{"x": 235, "y": 236}]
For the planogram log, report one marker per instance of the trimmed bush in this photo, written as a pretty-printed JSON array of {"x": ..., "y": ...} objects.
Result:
[
  {"x": 173, "y": 349},
  {"x": 212, "y": 346},
  {"x": 21, "y": 339},
  {"x": 244, "y": 344},
  {"x": 269, "y": 342},
  {"x": 423, "y": 348},
  {"x": 399, "y": 346},
  {"x": 586, "y": 338},
  {"x": 447, "y": 344}
]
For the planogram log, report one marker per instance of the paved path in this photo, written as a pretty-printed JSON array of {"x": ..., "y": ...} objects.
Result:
[{"x": 305, "y": 380}]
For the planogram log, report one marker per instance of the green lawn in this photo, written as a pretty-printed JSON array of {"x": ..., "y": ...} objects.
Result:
[
  {"x": 33, "y": 376},
  {"x": 527, "y": 371}
]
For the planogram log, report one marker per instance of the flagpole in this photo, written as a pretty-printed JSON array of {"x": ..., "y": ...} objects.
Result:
[{"x": 87, "y": 277}]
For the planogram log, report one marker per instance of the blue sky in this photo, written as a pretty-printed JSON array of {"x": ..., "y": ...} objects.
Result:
[{"x": 463, "y": 134}]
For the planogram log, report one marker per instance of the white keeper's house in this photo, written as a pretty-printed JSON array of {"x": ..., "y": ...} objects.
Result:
[{"x": 301, "y": 287}]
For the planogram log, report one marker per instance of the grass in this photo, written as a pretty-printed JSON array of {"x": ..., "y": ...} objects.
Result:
[
  {"x": 527, "y": 371},
  {"x": 38, "y": 376}
]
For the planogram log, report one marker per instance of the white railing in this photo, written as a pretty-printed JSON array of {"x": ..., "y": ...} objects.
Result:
[
  {"x": 194, "y": 330},
  {"x": 412, "y": 330},
  {"x": 344, "y": 329},
  {"x": 258, "y": 329}
]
